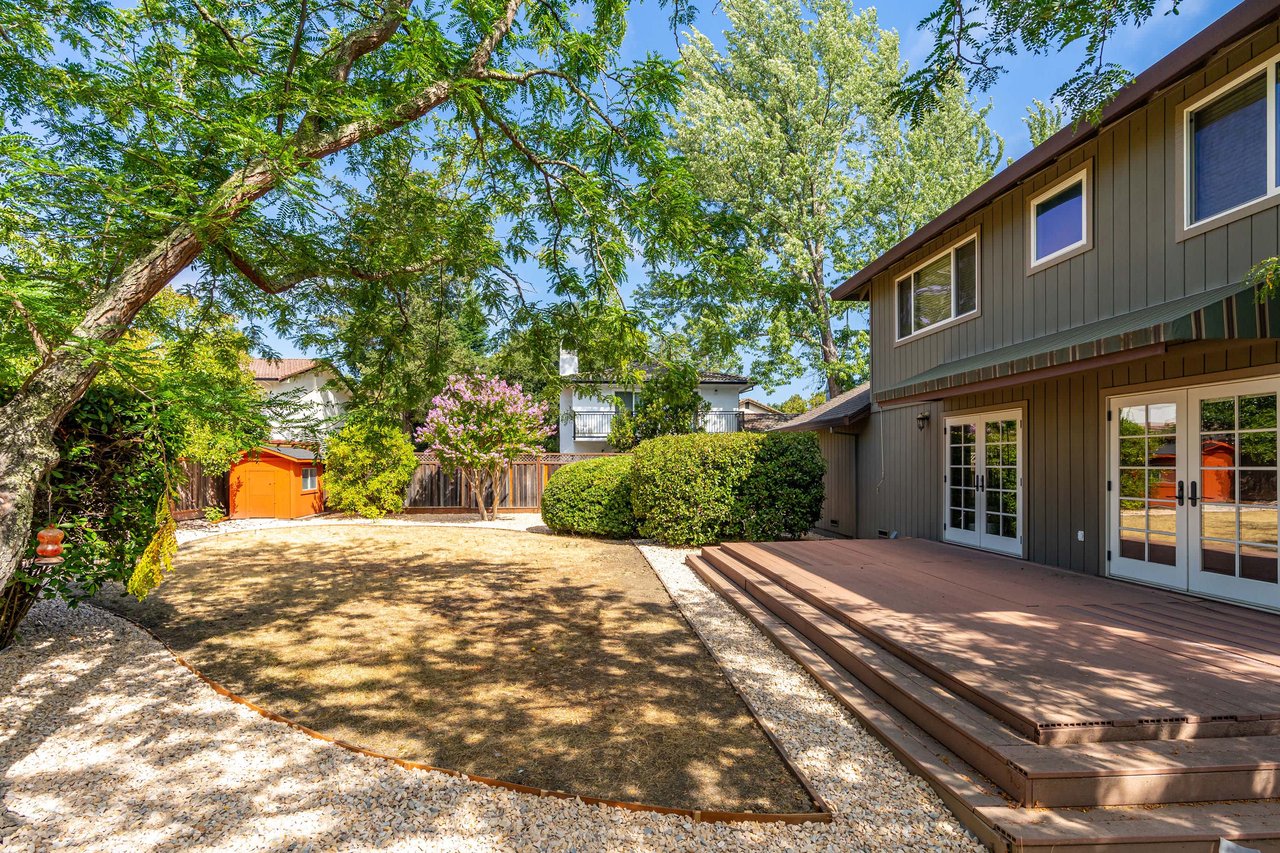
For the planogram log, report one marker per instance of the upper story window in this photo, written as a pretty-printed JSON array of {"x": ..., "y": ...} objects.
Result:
[
  {"x": 1229, "y": 149},
  {"x": 1059, "y": 220},
  {"x": 942, "y": 289}
]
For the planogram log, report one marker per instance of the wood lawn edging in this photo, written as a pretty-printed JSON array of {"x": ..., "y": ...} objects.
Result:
[{"x": 822, "y": 814}]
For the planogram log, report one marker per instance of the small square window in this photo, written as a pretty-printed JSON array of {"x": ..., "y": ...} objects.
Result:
[
  {"x": 310, "y": 481},
  {"x": 1059, "y": 219}
]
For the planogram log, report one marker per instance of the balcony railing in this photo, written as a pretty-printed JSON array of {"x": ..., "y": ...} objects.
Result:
[{"x": 595, "y": 426}]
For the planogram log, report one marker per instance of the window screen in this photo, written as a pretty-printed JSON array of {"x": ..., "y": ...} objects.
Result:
[
  {"x": 1060, "y": 221},
  {"x": 1229, "y": 150}
]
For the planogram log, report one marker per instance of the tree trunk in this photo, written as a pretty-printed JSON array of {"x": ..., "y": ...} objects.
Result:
[{"x": 821, "y": 302}]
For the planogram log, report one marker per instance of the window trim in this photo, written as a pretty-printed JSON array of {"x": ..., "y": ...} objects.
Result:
[
  {"x": 971, "y": 235},
  {"x": 303, "y": 477},
  {"x": 1083, "y": 175},
  {"x": 1185, "y": 228}
]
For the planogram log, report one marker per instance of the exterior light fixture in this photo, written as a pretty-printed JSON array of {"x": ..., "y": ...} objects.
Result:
[{"x": 922, "y": 421}]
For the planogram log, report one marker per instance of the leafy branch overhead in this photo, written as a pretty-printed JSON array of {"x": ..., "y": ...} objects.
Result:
[{"x": 971, "y": 40}]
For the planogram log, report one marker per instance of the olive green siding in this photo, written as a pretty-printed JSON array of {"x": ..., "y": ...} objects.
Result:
[
  {"x": 900, "y": 467},
  {"x": 1136, "y": 260},
  {"x": 839, "y": 507}
]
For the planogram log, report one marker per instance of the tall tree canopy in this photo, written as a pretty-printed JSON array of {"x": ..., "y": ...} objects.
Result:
[
  {"x": 972, "y": 38},
  {"x": 261, "y": 141},
  {"x": 807, "y": 174}
]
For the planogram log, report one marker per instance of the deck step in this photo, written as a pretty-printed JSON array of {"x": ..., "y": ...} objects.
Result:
[
  {"x": 1193, "y": 828},
  {"x": 1083, "y": 729},
  {"x": 1090, "y": 774}
]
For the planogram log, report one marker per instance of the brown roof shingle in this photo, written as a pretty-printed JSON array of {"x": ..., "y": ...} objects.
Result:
[{"x": 275, "y": 370}]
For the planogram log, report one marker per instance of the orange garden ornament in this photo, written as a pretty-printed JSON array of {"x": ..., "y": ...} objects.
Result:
[{"x": 50, "y": 547}]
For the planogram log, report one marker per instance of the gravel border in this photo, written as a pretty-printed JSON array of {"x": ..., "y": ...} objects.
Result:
[{"x": 107, "y": 743}]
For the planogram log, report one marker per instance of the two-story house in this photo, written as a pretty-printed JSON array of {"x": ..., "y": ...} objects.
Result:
[
  {"x": 588, "y": 405},
  {"x": 1068, "y": 365}
]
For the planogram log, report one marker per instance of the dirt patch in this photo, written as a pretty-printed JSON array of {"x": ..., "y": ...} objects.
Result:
[{"x": 558, "y": 663}]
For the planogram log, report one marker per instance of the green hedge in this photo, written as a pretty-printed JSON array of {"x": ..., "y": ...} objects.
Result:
[
  {"x": 591, "y": 497},
  {"x": 705, "y": 488}
]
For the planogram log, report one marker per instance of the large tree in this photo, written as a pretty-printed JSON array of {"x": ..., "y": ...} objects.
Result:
[
  {"x": 971, "y": 39},
  {"x": 229, "y": 133},
  {"x": 807, "y": 174}
]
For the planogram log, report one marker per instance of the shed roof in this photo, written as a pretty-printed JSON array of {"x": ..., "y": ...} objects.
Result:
[
  {"x": 842, "y": 410},
  {"x": 1195, "y": 52}
]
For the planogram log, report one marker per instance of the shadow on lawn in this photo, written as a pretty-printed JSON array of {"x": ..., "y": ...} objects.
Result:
[{"x": 552, "y": 662}]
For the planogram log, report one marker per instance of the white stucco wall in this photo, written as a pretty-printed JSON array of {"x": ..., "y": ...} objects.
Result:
[
  {"x": 323, "y": 405},
  {"x": 723, "y": 398}
]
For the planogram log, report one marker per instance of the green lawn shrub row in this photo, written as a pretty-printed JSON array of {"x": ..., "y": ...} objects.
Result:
[
  {"x": 592, "y": 497},
  {"x": 694, "y": 490}
]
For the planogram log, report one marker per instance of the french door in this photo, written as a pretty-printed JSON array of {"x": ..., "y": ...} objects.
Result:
[
  {"x": 983, "y": 481},
  {"x": 1193, "y": 490}
]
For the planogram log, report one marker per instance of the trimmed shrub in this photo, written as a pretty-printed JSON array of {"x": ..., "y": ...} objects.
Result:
[
  {"x": 782, "y": 496},
  {"x": 367, "y": 467},
  {"x": 704, "y": 488},
  {"x": 591, "y": 497}
]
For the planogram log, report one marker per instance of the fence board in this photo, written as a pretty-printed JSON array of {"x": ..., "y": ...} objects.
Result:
[
  {"x": 520, "y": 488},
  {"x": 198, "y": 490}
]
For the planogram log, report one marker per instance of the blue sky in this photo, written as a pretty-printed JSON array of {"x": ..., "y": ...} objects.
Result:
[{"x": 1029, "y": 77}]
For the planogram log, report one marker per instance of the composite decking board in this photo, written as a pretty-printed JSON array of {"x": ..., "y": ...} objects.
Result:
[
  {"x": 935, "y": 603},
  {"x": 1111, "y": 829},
  {"x": 1170, "y": 625}
]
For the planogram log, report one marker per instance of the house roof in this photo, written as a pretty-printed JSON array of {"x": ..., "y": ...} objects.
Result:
[
  {"x": 705, "y": 377},
  {"x": 300, "y": 454},
  {"x": 1191, "y": 55},
  {"x": 842, "y": 410},
  {"x": 1222, "y": 313},
  {"x": 276, "y": 370},
  {"x": 753, "y": 401}
]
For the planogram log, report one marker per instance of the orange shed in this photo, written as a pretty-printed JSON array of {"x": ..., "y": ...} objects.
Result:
[{"x": 276, "y": 481}]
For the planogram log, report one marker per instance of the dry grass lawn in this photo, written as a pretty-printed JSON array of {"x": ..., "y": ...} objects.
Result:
[{"x": 560, "y": 663}]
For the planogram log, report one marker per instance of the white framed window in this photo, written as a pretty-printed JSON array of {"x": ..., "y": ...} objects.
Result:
[
  {"x": 310, "y": 482},
  {"x": 1059, "y": 220},
  {"x": 1228, "y": 141},
  {"x": 941, "y": 291}
]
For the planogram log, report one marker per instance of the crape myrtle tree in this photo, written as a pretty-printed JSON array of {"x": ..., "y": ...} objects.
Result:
[
  {"x": 807, "y": 173},
  {"x": 235, "y": 136},
  {"x": 479, "y": 425}
]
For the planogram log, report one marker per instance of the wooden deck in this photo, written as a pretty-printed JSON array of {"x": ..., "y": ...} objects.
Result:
[{"x": 1040, "y": 692}]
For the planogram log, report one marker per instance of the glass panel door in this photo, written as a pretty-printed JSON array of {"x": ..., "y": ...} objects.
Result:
[
  {"x": 983, "y": 505},
  {"x": 1147, "y": 489},
  {"x": 1233, "y": 508}
]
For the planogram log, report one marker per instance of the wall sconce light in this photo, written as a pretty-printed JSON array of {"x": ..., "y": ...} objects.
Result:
[{"x": 922, "y": 421}]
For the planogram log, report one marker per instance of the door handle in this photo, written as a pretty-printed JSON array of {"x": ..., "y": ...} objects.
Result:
[
  {"x": 1193, "y": 493},
  {"x": 981, "y": 483},
  {"x": 1181, "y": 492}
]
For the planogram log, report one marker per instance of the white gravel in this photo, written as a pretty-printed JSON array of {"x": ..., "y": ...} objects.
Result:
[{"x": 107, "y": 743}]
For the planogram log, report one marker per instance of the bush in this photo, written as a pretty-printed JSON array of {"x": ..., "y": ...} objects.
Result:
[
  {"x": 591, "y": 497},
  {"x": 367, "y": 467},
  {"x": 705, "y": 488}
]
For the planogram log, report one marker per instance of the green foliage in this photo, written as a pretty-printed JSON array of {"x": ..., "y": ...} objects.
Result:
[
  {"x": 701, "y": 489},
  {"x": 1043, "y": 120},
  {"x": 368, "y": 465},
  {"x": 803, "y": 172},
  {"x": 157, "y": 559},
  {"x": 972, "y": 38},
  {"x": 214, "y": 514},
  {"x": 782, "y": 496},
  {"x": 797, "y": 405},
  {"x": 591, "y": 497},
  {"x": 622, "y": 431}
]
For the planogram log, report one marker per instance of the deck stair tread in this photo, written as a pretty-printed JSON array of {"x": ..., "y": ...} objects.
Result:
[
  {"x": 1030, "y": 773},
  {"x": 1034, "y": 658},
  {"x": 998, "y": 823}
]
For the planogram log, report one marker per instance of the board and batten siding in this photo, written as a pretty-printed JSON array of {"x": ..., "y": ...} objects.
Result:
[
  {"x": 839, "y": 495},
  {"x": 1136, "y": 260},
  {"x": 900, "y": 468}
]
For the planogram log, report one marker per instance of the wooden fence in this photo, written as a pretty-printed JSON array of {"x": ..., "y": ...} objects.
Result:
[
  {"x": 198, "y": 490},
  {"x": 435, "y": 489}
]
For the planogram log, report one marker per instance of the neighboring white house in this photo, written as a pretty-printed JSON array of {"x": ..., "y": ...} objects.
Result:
[
  {"x": 587, "y": 406},
  {"x": 306, "y": 383}
]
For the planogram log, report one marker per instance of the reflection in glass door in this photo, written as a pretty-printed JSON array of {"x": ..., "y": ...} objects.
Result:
[
  {"x": 983, "y": 497},
  {"x": 1234, "y": 516},
  {"x": 1148, "y": 491}
]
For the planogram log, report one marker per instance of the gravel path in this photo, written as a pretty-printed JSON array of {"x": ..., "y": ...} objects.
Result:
[{"x": 106, "y": 743}]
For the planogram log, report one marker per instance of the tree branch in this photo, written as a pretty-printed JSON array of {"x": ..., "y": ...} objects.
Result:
[
  {"x": 42, "y": 346},
  {"x": 293, "y": 279}
]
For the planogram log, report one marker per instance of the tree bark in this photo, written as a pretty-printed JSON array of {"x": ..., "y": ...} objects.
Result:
[
  {"x": 28, "y": 420},
  {"x": 821, "y": 302}
]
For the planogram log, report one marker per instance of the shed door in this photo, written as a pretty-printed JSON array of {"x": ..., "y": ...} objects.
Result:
[{"x": 260, "y": 491}]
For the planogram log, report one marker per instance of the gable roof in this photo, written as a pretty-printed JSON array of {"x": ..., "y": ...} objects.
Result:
[
  {"x": 753, "y": 401},
  {"x": 842, "y": 410},
  {"x": 1190, "y": 56},
  {"x": 276, "y": 370}
]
